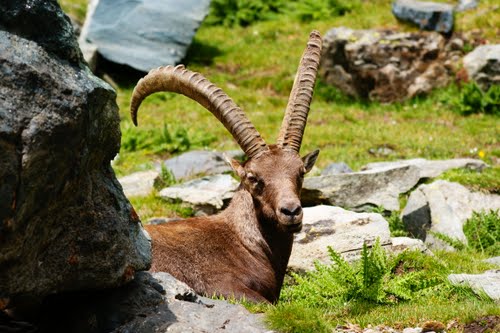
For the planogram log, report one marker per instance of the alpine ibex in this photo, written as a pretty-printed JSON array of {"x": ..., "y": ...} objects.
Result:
[{"x": 243, "y": 251}]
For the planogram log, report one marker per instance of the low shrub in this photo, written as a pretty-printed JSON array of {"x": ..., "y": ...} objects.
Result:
[
  {"x": 473, "y": 100},
  {"x": 483, "y": 232}
]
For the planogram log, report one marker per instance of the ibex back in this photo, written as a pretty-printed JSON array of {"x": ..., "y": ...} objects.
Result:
[{"x": 243, "y": 251}]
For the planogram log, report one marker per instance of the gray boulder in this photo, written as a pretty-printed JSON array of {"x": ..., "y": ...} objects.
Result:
[
  {"x": 483, "y": 65},
  {"x": 143, "y": 34},
  {"x": 361, "y": 190},
  {"x": 344, "y": 231},
  {"x": 59, "y": 130},
  {"x": 205, "y": 195},
  {"x": 199, "y": 162},
  {"x": 487, "y": 282},
  {"x": 431, "y": 168},
  {"x": 140, "y": 183},
  {"x": 427, "y": 15},
  {"x": 443, "y": 207},
  {"x": 385, "y": 65}
]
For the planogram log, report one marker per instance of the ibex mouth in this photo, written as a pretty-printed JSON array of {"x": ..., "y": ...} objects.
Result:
[{"x": 294, "y": 228}]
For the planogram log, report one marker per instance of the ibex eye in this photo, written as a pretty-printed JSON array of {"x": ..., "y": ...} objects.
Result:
[{"x": 252, "y": 179}]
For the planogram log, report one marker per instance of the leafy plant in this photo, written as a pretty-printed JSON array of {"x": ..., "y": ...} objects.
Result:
[
  {"x": 242, "y": 12},
  {"x": 167, "y": 178},
  {"x": 396, "y": 225},
  {"x": 246, "y": 12},
  {"x": 483, "y": 232},
  {"x": 162, "y": 140},
  {"x": 313, "y": 10},
  {"x": 473, "y": 100},
  {"x": 376, "y": 279}
]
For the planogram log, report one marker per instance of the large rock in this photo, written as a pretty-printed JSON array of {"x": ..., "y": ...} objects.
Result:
[
  {"x": 443, "y": 207},
  {"x": 142, "y": 34},
  {"x": 427, "y": 15},
  {"x": 64, "y": 221},
  {"x": 344, "y": 231},
  {"x": 205, "y": 195},
  {"x": 385, "y": 65},
  {"x": 431, "y": 168},
  {"x": 199, "y": 162},
  {"x": 361, "y": 190},
  {"x": 483, "y": 65},
  {"x": 487, "y": 282}
]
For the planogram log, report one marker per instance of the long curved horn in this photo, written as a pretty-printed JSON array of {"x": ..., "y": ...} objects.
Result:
[
  {"x": 195, "y": 86},
  {"x": 294, "y": 122}
]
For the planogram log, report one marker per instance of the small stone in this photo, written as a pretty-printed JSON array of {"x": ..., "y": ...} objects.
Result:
[
  {"x": 433, "y": 325},
  {"x": 464, "y": 5},
  {"x": 335, "y": 169},
  {"x": 494, "y": 261},
  {"x": 140, "y": 183},
  {"x": 412, "y": 330}
]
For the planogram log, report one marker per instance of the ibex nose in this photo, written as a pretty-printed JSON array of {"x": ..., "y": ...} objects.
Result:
[{"x": 291, "y": 210}]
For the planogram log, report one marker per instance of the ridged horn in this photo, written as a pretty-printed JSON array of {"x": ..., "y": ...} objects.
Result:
[
  {"x": 294, "y": 121},
  {"x": 195, "y": 86}
]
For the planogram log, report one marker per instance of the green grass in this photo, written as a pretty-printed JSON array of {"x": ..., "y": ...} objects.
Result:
[{"x": 154, "y": 206}]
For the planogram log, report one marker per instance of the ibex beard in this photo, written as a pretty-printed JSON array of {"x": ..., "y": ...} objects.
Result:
[{"x": 243, "y": 251}]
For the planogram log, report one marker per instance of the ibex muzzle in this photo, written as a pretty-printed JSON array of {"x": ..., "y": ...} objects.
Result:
[{"x": 244, "y": 250}]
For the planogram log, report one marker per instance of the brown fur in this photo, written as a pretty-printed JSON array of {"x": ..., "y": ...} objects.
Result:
[{"x": 243, "y": 251}]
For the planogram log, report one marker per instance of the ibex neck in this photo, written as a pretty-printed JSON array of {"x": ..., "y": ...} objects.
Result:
[{"x": 262, "y": 237}]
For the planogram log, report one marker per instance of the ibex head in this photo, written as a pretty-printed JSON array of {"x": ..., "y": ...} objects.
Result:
[{"x": 273, "y": 174}]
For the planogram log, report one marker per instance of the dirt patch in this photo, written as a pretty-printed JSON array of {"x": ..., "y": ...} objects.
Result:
[{"x": 488, "y": 324}]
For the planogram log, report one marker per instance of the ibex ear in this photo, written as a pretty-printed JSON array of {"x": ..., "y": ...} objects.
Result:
[
  {"x": 236, "y": 166},
  {"x": 310, "y": 159}
]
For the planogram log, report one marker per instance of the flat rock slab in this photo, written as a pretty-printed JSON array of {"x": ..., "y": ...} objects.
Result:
[
  {"x": 483, "y": 65},
  {"x": 361, "y": 190},
  {"x": 139, "y": 183},
  {"x": 431, "y": 168},
  {"x": 427, "y": 15},
  {"x": 143, "y": 34},
  {"x": 488, "y": 282},
  {"x": 343, "y": 230},
  {"x": 443, "y": 207},
  {"x": 205, "y": 195},
  {"x": 200, "y": 162}
]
